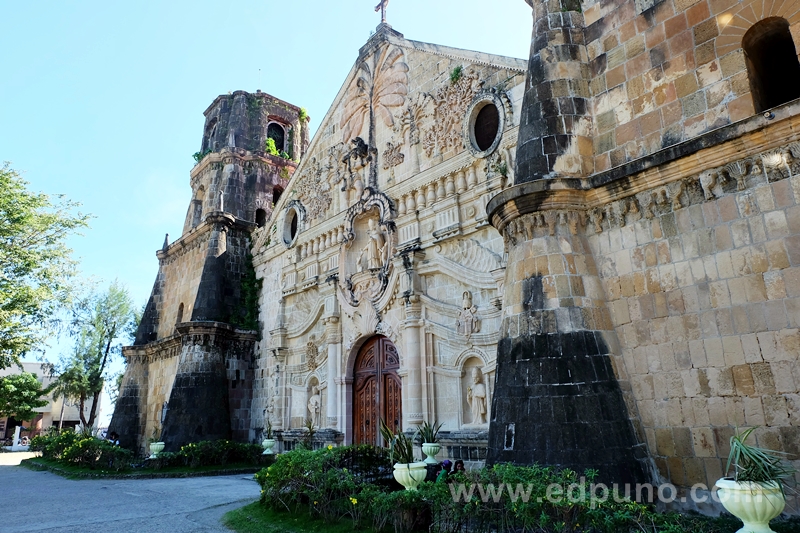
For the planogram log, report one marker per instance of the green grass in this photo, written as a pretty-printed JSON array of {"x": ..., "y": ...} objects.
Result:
[
  {"x": 76, "y": 472},
  {"x": 256, "y": 518}
]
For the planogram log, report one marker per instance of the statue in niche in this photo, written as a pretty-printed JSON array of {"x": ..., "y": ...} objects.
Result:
[
  {"x": 374, "y": 250},
  {"x": 314, "y": 406},
  {"x": 311, "y": 355},
  {"x": 476, "y": 396},
  {"x": 467, "y": 322}
]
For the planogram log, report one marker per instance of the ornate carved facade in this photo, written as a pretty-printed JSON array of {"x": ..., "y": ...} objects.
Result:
[{"x": 393, "y": 241}]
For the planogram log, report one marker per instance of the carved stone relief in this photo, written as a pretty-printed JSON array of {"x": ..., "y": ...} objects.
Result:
[
  {"x": 450, "y": 106},
  {"x": 312, "y": 353},
  {"x": 314, "y": 189},
  {"x": 392, "y": 157},
  {"x": 380, "y": 85},
  {"x": 369, "y": 243},
  {"x": 467, "y": 322},
  {"x": 471, "y": 254}
]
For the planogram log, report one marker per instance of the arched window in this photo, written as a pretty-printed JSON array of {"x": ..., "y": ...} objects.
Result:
[
  {"x": 276, "y": 195},
  {"x": 772, "y": 64},
  {"x": 197, "y": 206},
  {"x": 277, "y": 134},
  {"x": 179, "y": 319},
  {"x": 208, "y": 138},
  {"x": 261, "y": 218}
]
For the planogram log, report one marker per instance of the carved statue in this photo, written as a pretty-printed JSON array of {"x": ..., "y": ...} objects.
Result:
[
  {"x": 314, "y": 406},
  {"x": 382, "y": 5},
  {"x": 356, "y": 159},
  {"x": 375, "y": 249},
  {"x": 467, "y": 322},
  {"x": 476, "y": 396}
]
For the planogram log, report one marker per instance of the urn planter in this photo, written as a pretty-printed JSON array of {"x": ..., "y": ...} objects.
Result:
[
  {"x": 155, "y": 449},
  {"x": 410, "y": 475},
  {"x": 268, "y": 444},
  {"x": 755, "y": 504},
  {"x": 430, "y": 449}
]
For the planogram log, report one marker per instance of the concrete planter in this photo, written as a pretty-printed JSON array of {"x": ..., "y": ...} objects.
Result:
[
  {"x": 410, "y": 475},
  {"x": 155, "y": 449},
  {"x": 268, "y": 444},
  {"x": 431, "y": 449},
  {"x": 752, "y": 503}
]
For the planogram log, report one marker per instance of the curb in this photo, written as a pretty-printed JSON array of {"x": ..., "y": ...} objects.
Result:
[{"x": 33, "y": 464}]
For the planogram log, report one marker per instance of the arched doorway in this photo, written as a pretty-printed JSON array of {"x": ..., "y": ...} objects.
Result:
[{"x": 377, "y": 390}]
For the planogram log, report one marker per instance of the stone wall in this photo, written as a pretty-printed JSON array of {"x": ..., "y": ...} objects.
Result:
[
  {"x": 666, "y": 71},
  {"x": 704, "y": 293},
  {"x": 696, "y": 261}
]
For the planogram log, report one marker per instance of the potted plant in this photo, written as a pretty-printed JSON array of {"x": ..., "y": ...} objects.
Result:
[
  {"x": 756, "y": 492},
  {"x": 429, "y": 437},
  {"x": 156, "y": 445},
  {"x": 401, "y": 451},
  {"x": 268, "y": 443}
]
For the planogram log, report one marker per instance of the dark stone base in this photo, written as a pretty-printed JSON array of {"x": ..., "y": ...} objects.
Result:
[
  {"x": 125, "y": 421},
  {"x": 198, "y": 410},
  {"x": 557, "y": 402}
]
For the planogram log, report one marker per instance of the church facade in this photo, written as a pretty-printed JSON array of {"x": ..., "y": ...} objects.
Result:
[
  {"x": 590, "y": 258},
  {"x": 382, "y": 277}
]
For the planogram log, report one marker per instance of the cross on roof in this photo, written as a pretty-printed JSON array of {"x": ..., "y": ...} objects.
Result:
[{"x": 382, "y": 8}]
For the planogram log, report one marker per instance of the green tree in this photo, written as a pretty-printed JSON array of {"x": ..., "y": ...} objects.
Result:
[
  {"x": 35, "y": 264},
  {"x": 20, "y": 394},
  {"x": 100, "y": 323}
]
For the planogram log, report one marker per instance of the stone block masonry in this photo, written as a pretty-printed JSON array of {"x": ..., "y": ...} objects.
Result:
[{"x": 697, "y": 295}]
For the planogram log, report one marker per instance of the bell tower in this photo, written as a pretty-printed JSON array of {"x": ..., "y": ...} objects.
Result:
[{"x": 190, "y": 370}]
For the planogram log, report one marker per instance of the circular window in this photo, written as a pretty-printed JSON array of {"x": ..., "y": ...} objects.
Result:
[
  {"x": 484, "y": 125},
  {"x": 290, "y": 226}
]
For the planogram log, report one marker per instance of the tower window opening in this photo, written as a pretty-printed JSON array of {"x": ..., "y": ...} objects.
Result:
[
  {"x": 276, "y": 132},
  {"x": 179, "y": 318},
  {"x": 772, "y": 64},
  {"x": 276, "y": 195},
  {"x": 261, "y": 218}
]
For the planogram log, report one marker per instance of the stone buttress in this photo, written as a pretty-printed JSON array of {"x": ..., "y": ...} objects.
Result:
[{"x": 557, "y": 398}]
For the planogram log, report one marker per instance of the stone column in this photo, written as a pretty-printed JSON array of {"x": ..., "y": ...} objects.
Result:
[
  {"x": 334, "y": 338},
  {"x": 412, "y": 410}
]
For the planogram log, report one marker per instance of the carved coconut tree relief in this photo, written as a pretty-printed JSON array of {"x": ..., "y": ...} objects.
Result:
[{"x": 381, "y": 84}]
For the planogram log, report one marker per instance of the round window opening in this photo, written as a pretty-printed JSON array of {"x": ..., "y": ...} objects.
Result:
[
  {"x": 290, "y": 227},
  {"x": 484, "y": 124},
  {"x": 487, "y": 124}
]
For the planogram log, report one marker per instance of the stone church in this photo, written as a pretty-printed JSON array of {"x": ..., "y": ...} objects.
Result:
[{"x": 589, "y": 258}]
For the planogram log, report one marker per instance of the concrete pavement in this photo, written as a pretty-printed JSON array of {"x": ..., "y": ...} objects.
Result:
[{"x": 41, "y": 501}]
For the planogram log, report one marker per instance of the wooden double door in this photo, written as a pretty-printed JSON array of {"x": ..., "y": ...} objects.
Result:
[{"x": 377, "y": 391}]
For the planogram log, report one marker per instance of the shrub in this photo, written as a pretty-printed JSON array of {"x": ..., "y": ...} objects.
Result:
[
  {"x": 88, "y": 452},
  {"x": 54, "y": 443},
  {"x": 326, "y": 481},
  {"x": 352, "y": 482}
]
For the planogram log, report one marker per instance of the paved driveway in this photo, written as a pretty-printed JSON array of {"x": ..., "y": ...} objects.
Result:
[{"x": 41, "y": 501}]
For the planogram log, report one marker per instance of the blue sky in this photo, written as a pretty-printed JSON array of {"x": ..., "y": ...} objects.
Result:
[{"x": 103, "y": 101}]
